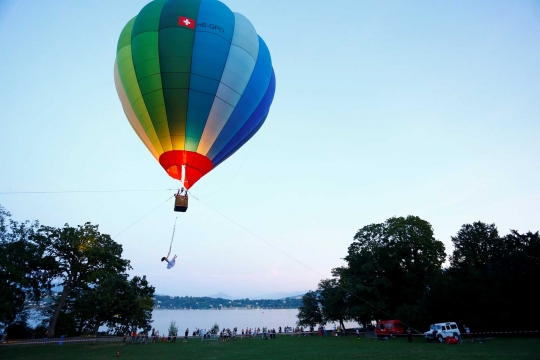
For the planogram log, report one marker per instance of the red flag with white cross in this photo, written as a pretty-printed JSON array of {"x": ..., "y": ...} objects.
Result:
[{"x": 186, "y": 22}]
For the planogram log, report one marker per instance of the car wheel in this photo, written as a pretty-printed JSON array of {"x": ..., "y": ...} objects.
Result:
[{"x": 441, "y": 340}]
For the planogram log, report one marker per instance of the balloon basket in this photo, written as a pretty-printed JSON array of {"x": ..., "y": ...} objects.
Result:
[{"x": 180, "y": 203}]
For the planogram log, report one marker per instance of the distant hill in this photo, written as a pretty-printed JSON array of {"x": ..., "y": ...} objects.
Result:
[
  {"x": 270, "y": 296},
  {"x": 221, "y": 296},
  {"x": 281, "y": 295}
]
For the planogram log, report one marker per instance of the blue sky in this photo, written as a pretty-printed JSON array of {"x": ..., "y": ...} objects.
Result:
[{"x": 382, "y": 108}]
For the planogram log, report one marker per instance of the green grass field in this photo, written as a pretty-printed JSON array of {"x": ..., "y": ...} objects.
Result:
[{"x": 285, "y": 347}]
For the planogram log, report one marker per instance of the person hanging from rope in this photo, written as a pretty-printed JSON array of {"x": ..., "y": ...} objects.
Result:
[{"x": 170, "y": 263}]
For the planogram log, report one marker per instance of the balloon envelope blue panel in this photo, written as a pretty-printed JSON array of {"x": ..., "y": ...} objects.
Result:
[
  {"x": 252, "y": 96},
  {"x": 251, "y": 126}
]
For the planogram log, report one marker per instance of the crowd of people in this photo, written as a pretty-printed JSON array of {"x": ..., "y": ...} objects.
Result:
[
  {"x": 143, "y": 337},
  {"x": 224, "y": 335},
  {"x": 248, "y": 333}
]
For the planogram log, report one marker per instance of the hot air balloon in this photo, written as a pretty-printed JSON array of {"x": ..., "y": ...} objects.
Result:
[{"x": 196, "y": 83}]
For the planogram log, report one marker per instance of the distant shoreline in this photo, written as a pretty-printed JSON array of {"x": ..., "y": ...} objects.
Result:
[
  {"x": 208, "y": 303},
  {"x": 266, "y": 309}
]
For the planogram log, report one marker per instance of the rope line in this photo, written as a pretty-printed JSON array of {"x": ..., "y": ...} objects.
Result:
[
  {"x": 298, "y": 261},
  {"x": 233, "y": 177},
  {"x": 77, "y": 191},
  {"x": 172, "y": 237},
  {"x": 130, "y": 226}
]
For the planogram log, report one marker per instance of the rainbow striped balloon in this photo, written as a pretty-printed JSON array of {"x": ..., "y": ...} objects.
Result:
[{"x": 196, "y": 83}]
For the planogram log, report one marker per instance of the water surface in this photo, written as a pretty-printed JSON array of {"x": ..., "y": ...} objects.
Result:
[{"x": 205, "y": 319}]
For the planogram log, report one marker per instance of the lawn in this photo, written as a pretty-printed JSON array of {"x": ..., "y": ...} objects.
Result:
[{"x": 285, "y": 347}]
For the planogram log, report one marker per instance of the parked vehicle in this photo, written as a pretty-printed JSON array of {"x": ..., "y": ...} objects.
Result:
[
  {"x": 390, "y": 328},
  {"x": 441, "y": 331}
]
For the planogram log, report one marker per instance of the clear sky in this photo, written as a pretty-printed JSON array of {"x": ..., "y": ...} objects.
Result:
[{"x": 382, "y": 108}]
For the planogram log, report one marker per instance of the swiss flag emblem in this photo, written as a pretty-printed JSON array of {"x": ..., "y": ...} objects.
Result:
[{"x": 186, "y": 22}]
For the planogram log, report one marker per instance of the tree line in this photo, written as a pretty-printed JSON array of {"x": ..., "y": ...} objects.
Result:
[
  {"x": 72, "y": 278},
  {"x": 398, "y": 270}
]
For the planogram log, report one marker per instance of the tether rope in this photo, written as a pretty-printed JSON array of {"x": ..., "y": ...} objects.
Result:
[
  {"x": 130, "y": 226},
  {"x": 298, "y": 261},
  {"x": 172, "y": 237},
  {"x": 233, "y": 177},
  {"x": 218, "y": 212},
  {"x": 78, "y": 191}
]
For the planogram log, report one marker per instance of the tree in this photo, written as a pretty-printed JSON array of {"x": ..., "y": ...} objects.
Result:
[
  {"x": 82, "y": 257},
  {"x": 117, "y": 302},
  {"x": 334, "y": 301},
  {"x": 518, "y": 268},
  {"x": 473, "y": 246},
  {"x": 310, "y": 313},
  {"x": 22, "y": 269},
  {"x": 12, "y": 275},
  {"x": 490, "y": 277},
  {"x": 469, "y": 279},
  {"x": 389, "y": 267},
  {"x": 364, "y": 276},
  {"x": 173, "y": 329}
]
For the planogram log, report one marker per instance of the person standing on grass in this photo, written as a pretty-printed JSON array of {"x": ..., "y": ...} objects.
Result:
[
  {"x": 468, "y": 332},
  {"x": 357, "y": 333},
  {"x": 409, "y": 335}
]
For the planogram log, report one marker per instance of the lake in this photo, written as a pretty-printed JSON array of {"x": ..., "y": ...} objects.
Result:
[
  {"x": 240, "y": 318},
  {"x": 205, "y": 319}
]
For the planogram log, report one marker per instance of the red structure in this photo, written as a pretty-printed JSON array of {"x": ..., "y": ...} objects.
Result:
[{"x": 390, "y": 327}]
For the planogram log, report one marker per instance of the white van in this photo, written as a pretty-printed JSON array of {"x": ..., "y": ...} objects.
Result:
[{"x": 441, "y": 331}]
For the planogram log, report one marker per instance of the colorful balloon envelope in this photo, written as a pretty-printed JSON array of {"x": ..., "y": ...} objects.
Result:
[{"x": 196, "y": 83}]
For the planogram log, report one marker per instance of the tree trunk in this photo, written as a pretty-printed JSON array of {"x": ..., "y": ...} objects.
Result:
[
  {"x": 96, "y": 328},
  {"x": 342, "y": 326},
  {"x": 58, "y": 310}
]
